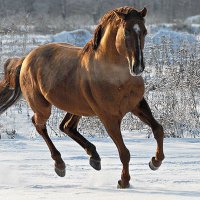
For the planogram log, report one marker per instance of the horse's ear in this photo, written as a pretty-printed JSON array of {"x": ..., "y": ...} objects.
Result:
[
  {"x": 143, "y": 12},
  {"x": 120, "y": 15},
  {"x": 97, "y": 37}
]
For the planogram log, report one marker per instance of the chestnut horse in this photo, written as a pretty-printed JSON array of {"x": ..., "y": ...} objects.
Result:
[{"x": 102, "y": 79}]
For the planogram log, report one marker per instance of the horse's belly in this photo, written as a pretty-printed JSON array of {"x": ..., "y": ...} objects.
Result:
[{"x": 71, "y": 103}]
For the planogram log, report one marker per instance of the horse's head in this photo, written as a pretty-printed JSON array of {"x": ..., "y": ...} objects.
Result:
[{"x": 130, "y": 38}]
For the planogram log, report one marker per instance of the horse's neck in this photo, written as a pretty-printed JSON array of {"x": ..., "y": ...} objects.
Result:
[
  {"x": 107, "y": 46},
  {"x": 110, "y": 65},
  {"x": 107, "y": 53}
]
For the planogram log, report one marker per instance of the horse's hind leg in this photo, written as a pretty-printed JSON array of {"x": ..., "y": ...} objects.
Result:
[
  {"x": 144, "y": 113},
  {"x": 42, "y": 111},
  {"x": 69, "y": 126}
]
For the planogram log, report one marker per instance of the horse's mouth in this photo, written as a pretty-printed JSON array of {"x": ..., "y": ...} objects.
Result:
[
  {"x": 136, "y": 67},
  {"x": 136, "y": 70}
]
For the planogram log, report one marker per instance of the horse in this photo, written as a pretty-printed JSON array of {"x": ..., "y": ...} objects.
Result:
[{"x": 101, "y": 79}]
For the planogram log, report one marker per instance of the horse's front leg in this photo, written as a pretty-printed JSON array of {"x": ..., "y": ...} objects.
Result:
[
  {"x": 112, "y": 125},
  {"x": 144, "y": 113}
]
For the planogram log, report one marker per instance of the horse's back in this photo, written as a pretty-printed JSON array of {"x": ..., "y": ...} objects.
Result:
[{"x": 51, "y": 62}]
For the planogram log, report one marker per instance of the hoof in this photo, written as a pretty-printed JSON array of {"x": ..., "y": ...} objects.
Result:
[
  {"x": 60, "y": 171},
  {"x": 95, "y": 163},
  {"x": 154, "y": 165},
  {"x": 122, "y": 185}
]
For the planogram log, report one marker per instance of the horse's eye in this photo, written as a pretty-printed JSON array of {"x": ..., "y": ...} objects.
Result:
[{"x": 127, "y": 32}]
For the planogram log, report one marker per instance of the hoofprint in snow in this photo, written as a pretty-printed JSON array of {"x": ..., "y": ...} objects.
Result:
[{"x": 27, "y": 171}]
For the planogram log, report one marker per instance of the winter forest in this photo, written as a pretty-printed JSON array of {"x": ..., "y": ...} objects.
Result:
[{"x": 172, "y": 90}]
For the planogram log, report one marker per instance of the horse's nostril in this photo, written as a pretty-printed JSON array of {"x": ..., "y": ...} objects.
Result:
[{"x": 138, "y": 69}]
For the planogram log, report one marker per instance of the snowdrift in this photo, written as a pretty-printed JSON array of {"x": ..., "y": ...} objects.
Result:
[
  {"x": 192, "y": 20},
  {"x": 176, "y": 38},
  {"x": 77, "y": 37}
]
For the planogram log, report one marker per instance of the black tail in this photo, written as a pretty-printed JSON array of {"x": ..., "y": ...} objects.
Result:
[{"x": 10, "y": 90}]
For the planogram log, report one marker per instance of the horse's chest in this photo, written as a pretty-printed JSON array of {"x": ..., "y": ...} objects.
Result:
[
  {"x": 117, "y": 99},
  {"x": 130, "y": 98}
]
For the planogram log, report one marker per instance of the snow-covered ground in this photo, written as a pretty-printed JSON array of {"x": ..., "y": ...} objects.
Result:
[{"x": 26, "y": 171}]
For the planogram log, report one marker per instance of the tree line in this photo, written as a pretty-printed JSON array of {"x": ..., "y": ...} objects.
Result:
[{"x": 159, "y": 10}]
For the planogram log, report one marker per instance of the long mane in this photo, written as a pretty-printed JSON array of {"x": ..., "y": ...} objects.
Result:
[{"x": 109, "y": 17}]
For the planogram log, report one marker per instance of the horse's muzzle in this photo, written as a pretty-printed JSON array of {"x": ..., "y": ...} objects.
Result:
[{"x": 138, "y": 69}]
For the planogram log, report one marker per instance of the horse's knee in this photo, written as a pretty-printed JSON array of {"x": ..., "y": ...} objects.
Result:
[
  {"x": 69, "y": 123},
  {"x": 65, "y": 128}
]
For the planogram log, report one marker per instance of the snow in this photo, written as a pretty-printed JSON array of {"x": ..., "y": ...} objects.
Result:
[
  {"x": 176, "y": 38},
  {"x": 27, "y": 171},
  {"x": 154, "y": 28},
  {"x": 77, "y": 37},
  {"x": 192, "y": 20},
  {"x": 195, "y": 28}
]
